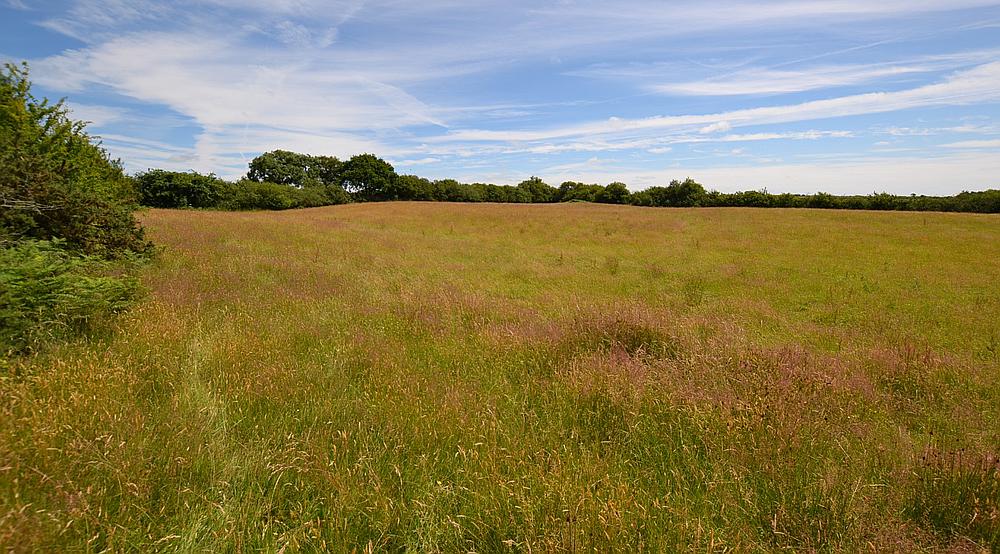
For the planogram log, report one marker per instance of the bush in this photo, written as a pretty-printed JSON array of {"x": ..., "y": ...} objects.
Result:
[
  {"x": 172, "y": 189},
  {"x": 55, "y": 182},
  {"x": 250, "y": 195},
  {"x": 48, "y": 293},
  {"x": 615, "y": 193}
]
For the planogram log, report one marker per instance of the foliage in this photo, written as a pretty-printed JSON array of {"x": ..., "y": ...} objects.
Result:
[
  {"x": 293, "y": 169},
  {"x": 571, "y": 191},
  {"x": 251, "y": 195},
  {"x": 172, "y": 189},
  {"x": 48, "y": 293},
  {"x": 55, "y": 181},
  {"x": 614, "y": 193},
  {"x": 368, "y": 178},
  {"x": 678, "y": 194},
  {"x": 411, "y": 187},
  {"x": 322, "y": 180},
  {"x": 537, "y": 190}
]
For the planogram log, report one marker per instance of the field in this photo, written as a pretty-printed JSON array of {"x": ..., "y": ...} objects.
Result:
[{"x": 454, "y": 377}]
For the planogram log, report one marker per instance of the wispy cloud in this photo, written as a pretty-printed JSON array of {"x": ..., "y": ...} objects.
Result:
[
  {"x": 766, "y": 81},
  {"x": 978, "y": 85},
  {"x": 993, "y": 144},
  {"x": 897, "y": 175},
  {"x": 514, "y": 88},
  {"x": 97, "y": 115}
]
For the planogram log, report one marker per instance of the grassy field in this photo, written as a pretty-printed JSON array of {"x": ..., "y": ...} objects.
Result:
[{"x": 424, "y": 377}]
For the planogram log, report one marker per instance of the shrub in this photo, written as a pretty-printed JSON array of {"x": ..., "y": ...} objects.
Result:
[
  {"x": 47, "y": 292},
  {"x": 615, "y": 193},
  {"x": 250, "y": 195},
  {"x": 55, "y": 181},
  {"x": 172, "y": 189}
]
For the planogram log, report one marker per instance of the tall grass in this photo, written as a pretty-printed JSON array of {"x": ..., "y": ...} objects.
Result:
[{"x": 442, "y": 377}]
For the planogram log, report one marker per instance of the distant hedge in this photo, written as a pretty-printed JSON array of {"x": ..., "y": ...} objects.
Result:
[
  {"x": 172, "y": 189},
  {"x": 282, "y": 180}
]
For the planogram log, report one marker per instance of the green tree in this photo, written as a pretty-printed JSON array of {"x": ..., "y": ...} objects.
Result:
[
  {"x": 678, "y": 194},
  {"x": 820, "y": 200},
  {"x": 368, "y": 177},
  {"x": 537, "y": 190},
  {"x": 326, "y": 170},
  {"x": 571, "y": 191},
  {"x": 411, "y": 187},
  {"x": 280, "y": 167},
  {"x": 448, "y": 190},
  {"x": 615, "y": 193},
  {"x": 294, "y": 169},
  {"x": 56, "y": 182},
  {"x": 883, "y": 201}
]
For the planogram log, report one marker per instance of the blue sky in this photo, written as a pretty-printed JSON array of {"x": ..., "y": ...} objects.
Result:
[{"x": 843, "y": 96}]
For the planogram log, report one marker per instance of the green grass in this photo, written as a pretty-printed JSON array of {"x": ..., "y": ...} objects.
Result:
[{"x": 450, "y": 377}]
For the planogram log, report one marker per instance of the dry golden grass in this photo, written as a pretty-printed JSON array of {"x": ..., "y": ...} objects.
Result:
[{"x": 449, "y": 377}]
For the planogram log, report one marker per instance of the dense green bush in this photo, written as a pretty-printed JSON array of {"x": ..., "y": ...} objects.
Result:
[
  {"x": 55, "y": 181},
  {"x": 250, "y": 195},
  {"x": 615, "y": 193},
  {"x": 173, "y": 189},
  {"x": 571, "y": 191},
  {"x": 47, "y": 292}
]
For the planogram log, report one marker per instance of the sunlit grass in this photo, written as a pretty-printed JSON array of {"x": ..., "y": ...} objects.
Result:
[{"x": 525, "y": 377}]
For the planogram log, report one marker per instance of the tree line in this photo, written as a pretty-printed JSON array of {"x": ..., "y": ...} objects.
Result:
[{"x": 281, "y": 180}]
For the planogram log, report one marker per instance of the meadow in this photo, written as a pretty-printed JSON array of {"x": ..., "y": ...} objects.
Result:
[{"x": 485, "y": 377}]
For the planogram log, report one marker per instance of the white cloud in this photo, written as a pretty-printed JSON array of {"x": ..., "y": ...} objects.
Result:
[
  {"x": 746, "y": 78},
  {"x": 978, "y": 85},
  {"x": 421, "y": 161},
  {"x": 97, "y": 115},
  {"x": 718, "y": 127},
  {"x": 769, "y": 81},
  {"x": 243, "y": 108},
  {"x": 260, "y": 74},
  {"x": 991, "y": 144},
  {"x": 898, "y": 175}
]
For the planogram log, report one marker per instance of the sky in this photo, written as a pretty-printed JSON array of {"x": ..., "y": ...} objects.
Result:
[{"x": 840, "y": 96}]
